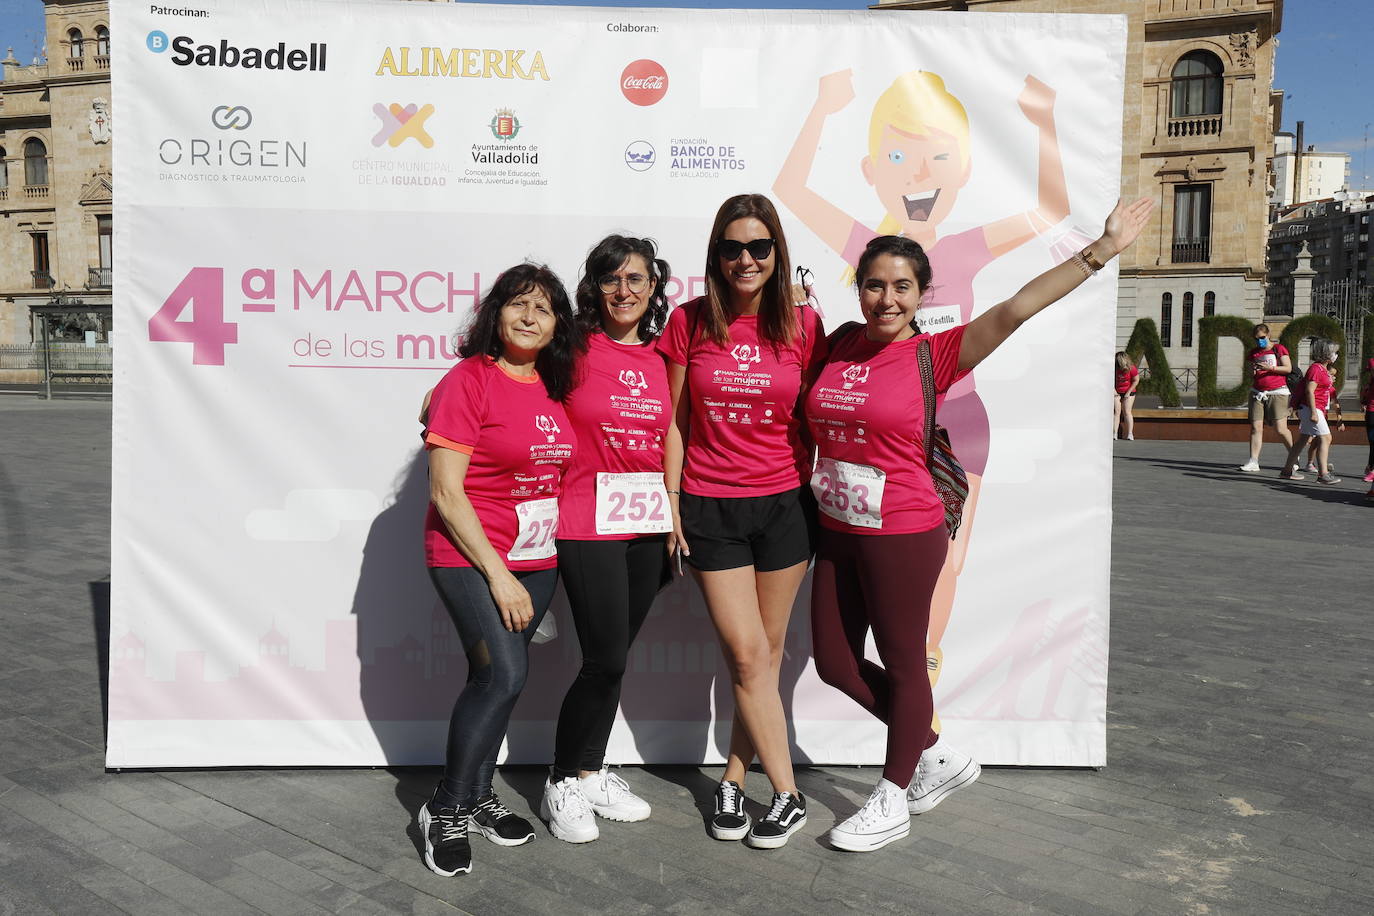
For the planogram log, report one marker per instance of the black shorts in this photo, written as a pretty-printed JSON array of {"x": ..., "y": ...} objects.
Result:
[{"x": 765, "y": 532}]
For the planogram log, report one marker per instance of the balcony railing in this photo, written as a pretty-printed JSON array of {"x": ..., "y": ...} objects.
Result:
[
  {"x": 98, "y": 277},
  {"x": 102, "y": 61},
  {"x": 1199, "y": 126},
  {"x": 1192, "y": 251},
  {"x": 76, "y": 64},
  {"x": 36, "y": 192},
  {"x": 4, "y": 193},
  {"x": 42, "y": 279}
]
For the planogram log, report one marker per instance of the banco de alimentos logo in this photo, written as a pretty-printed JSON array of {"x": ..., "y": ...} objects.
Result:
[{"x": 401, "y": 124}]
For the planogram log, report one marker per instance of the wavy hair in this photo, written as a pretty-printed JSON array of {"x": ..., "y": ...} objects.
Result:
[
  {"x": 897, "y": 246},
  {"x": 605, "y": 258},
  {"x": 778, "y": 324},
  {"x": 555, "y": 362}
]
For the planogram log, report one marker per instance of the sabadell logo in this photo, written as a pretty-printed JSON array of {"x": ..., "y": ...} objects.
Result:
[{"x": 644, "y": 82}]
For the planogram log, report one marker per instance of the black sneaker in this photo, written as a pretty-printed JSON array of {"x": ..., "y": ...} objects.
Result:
[
  {"x": 447, "y": 850},
  {"x": 729, "y": 822},
  {"x": 500, "y": 824},
  {"x": 786, "y": 817}
]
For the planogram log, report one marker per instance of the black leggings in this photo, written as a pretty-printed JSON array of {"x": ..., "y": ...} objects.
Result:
[
  {"x": 498, "y": 661},
  {"x": 1369, "y": 432},
  {"x": 611, "y": 586}
]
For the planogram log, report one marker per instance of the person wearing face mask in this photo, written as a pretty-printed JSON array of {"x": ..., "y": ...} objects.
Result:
[
  {"x": 499, "y": 441},
  {"x": 1318, "y": 397},
  {"x": 613, "y": 521},
  {"x": 883, "y": 535},
  {"x": 1268, "y": 402},
  {"x": 738, "y": 359}
]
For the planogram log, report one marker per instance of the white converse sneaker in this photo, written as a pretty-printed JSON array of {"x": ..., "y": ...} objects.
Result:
[
  {"x": 611, "y": 798},
  {"x": 942, "y": 770},
  {"x": 882, "y": 819},
  {"x": 567, "y": 812}
]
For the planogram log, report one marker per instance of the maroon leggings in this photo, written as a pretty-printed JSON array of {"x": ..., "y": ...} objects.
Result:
[{"x": 885, "y": 582}]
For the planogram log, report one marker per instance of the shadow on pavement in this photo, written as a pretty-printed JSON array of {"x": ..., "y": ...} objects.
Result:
[{"x": 100, "y": 622}]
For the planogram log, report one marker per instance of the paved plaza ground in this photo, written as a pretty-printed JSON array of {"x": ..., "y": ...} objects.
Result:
[{"x": 1240, "y": 774}]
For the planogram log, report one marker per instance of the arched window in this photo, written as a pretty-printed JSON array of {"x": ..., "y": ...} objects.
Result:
[
  {"x": 102, "y": 41},
  {"x": 1209, "y": 304},
  {"x": 1185, "y": 332},
  {"x": 35, "y": 163},
  {"x": 1196, "y": 85},
  {"x": 1166, "y": 318},
  {"x": 76, "y": 41}
]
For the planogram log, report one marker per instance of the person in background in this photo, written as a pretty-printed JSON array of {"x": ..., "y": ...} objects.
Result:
[
  {"x": 1268, "y": 402},
  {"x": 499, "y": 441},
  {"x": 1312, "y": 421},
  {"x": 613, "y": 521},
  {"x": 1367, "y": 402},
  {"x": 1127, "y": 380}
]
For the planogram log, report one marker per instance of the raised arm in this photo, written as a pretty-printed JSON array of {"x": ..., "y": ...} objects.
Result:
[
  {"x": 987, "y": 332},
  {"x": 1037, "y": 104},
  {"x": 831, "y": 224}
]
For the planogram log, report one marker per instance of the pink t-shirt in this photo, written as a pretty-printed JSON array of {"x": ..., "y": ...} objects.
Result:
[
  {"x": 745, "y": 437},
  {"x": 1322, "y": 396},
  {"x": 520, "y": 442},
  {"x": 866, "y": 412},
  {"x": 1367, "y": 395},
  {"x": 619, "y": 411},
  {"x": 1267, "y": 375},
  {"x": 1124, "y": 380}
]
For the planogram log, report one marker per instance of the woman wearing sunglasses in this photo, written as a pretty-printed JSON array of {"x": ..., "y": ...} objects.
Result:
[
  {"x": 737, "y": 358},
  {"x": 613, "y": 520}
]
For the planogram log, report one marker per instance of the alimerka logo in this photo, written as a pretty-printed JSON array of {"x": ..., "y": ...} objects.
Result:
[
  {"x": 471, "y": 63},
  {"x": 402, "y": 124},
  {"x": 186, "y": 53}
]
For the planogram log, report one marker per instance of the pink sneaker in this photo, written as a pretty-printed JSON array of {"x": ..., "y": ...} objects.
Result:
[{"x": 1369, "y": 476}]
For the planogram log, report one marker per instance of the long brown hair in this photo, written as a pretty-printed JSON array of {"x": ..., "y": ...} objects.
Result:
[{"x": 778, "y": 323}]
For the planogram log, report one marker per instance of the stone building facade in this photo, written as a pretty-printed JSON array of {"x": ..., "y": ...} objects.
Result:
[
  {"x": 1200, "y": 118},
  {"x": 56, "y": 213}
]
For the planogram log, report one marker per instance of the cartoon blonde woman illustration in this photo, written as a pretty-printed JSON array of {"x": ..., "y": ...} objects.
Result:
[{"x": 919, "y": 159}]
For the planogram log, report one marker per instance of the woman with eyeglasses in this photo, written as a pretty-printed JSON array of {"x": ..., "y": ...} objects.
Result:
[
  {"x": 735, "y": 468},
  {"x": 499, "y": 442},
  {"x": 613, "y": 520},
  {"x": 883, "y": 536}
]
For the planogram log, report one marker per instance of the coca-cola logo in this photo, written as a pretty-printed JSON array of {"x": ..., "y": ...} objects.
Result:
[{"x": 644, "y": 82}]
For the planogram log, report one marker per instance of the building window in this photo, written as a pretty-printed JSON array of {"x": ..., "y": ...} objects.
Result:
[
  {"x": 1185, "y": 331},
  {"x": 75, "y": 40},
  {"x": 1192, "y": 223},
  {"x": 42, "y": 272},
  {"x": 1166, "y": 319},
  {"x": 1196, "y": 88},
  {"x": 100, "y": 276},
  {"x": 4, "y": 173},
  {"x": 35, "y": 163},
  {"x": 102, "y": 41},
  {"x": 1209, "y": 304}
]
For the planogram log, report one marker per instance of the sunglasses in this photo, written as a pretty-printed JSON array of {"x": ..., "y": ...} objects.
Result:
[{"x": 730, "y": 250}]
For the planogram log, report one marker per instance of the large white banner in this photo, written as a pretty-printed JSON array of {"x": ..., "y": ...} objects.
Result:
[{"x": 312, "y": 196}]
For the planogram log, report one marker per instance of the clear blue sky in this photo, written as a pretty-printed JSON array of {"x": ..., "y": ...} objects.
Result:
[{"x": 1324, "y": 67}]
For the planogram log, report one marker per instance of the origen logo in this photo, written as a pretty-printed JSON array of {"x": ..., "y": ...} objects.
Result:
[
  {"x": 744, "y": 354},
  {"x": 231, "y": 117},
  {"x": 639, "y": 155},
  {"x": 644, "y": 82},
  {"x": 402, "y": 124}
]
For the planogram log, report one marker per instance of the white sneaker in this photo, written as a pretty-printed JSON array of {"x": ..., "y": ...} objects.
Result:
[
  {"x": 567, "y": 812},
  {"x": 1250, "y": 467},
  {"x": 611, "y": 798},
  {"x": 882, "y": 819},
  {"x": 942, "y": 770}
]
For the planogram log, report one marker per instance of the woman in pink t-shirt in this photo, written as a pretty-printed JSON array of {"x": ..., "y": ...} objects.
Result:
[
  {"x": 1268, "y": 401},
  {"x": 737, "y": 361},
  {"x": 1317, "y": 398},
  {"x": 1127, "y": 380},
  {"x": 499, "y": 442},
  {"x": 1367, "y": 402},
  {"x": 613, "y": 520},
  {"x": 883, "y": 537}
]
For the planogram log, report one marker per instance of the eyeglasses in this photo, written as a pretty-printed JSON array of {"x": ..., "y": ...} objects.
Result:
[
  {"x": 637, "y": 283},
  {"x": 730, "y": 250}
]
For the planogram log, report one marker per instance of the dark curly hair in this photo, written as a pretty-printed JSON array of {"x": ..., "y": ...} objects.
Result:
[
  {"x": 555, "y": 361},
  {"x": 898, "y": 247},
  {"x": 604, "y": 259}
]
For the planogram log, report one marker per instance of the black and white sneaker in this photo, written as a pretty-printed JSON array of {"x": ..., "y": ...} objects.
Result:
[
  {"x": 729, "y": 822},
  {"x": 500, "y": 824},
  {"x": 784, "y": 818},
  {"x": 447, "y": 850}
]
